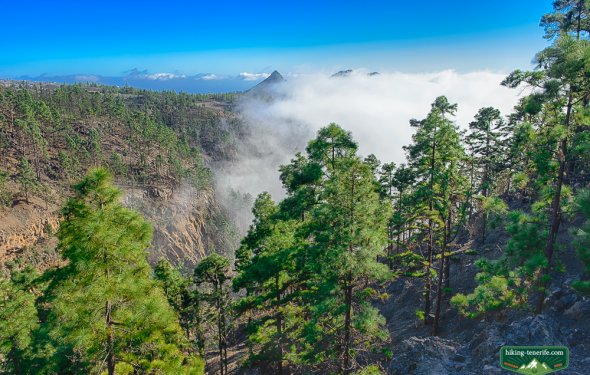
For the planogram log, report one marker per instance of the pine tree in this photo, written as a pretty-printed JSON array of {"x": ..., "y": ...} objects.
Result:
[
  {"x": 212, "y": 275},
  {"x": 582, "y": 241},
  {"x": 331, "y": 143},
  {"x": 310, "y": 264},
  {"x": 349, "y": 231},
  {"x": 18, "y": 319},
  {"x": 434, "y": 157},
  {"x": 569, "y": 16},
  {"x": 486, "y": 149},
  {"x": 185, "y": 301},
  {"x": 5, "y": 193},
  {"x": 301, "y": 179},
  {"x": 451, "y": 209},
  {"x": 505, "y": 282},
  {"x": 268, "y": 275},
  {"x": 26, "y": 178},
  {"x": 105, "y": 310},
  {"x": 403, "y": 179},
  {"x": 563, "y": 77},
  {"x": 386, "y": 188}
]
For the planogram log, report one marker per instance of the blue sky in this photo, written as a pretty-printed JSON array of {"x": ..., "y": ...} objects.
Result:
[{"x": 229, "y": 37}]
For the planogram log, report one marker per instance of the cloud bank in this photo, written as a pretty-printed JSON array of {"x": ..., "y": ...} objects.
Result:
[
  {"x": 163, "y": 76},
  {"x": 246, "y": 76},
  {"x": 375, "y": 108}
]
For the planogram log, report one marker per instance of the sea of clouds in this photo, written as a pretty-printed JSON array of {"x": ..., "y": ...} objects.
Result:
[{"x": 375, "y": 108}]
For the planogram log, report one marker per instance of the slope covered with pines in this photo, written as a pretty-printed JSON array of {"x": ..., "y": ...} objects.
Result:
[{"x": 159, "y": 147}]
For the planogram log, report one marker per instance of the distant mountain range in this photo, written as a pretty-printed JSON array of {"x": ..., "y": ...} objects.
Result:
[{"x": 198, "y": 83}]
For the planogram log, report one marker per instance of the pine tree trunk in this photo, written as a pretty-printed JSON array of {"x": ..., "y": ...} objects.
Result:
[
  {"x": 471, "y": 178},
  {"x": 110, "y": 343},
  {"x": 428, "y": 287},
  {"x": 224, "y": 323},
  {"x": 430, "y": 238},
  {"x": 279, "y": 325},
  {"x": 347, "y": 326},
  {"x": 390, "y": 246},
  {"x": 348, "y": 294},
  {"x": 447, "y": 275},
  {"x": 441, "y": 272},
  {"x": 435, "y": 326},
  {"x": 555, "y": 211},
  {"x": 484, "y": 225},
  {"x": 219, "y": 330},
  {"x": 400, "y": 230},
  {"x": 225, "y": 362}
]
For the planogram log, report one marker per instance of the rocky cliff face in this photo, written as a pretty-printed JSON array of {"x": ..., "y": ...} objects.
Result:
[
  {"x": 185, "y": 221},
  {"x": 27, "y": 227}
]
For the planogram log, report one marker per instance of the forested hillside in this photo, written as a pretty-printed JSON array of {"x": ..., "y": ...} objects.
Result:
[
  {"x": 479, "y": 239},
  {"x": 159, "y": 147}
]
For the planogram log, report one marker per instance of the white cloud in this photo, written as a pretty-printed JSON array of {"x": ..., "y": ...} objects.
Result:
[
  {"x": 163, "y": 76},
  {"x": 376, "y": 109},
  {"x": 210, "y": 77},
  {"x": 253, "y": 76}
]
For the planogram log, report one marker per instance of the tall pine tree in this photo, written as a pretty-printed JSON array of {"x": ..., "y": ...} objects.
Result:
[{"x": 105, "y": 310}]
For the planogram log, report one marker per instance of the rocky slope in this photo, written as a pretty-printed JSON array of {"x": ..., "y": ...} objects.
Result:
[
  {"x": 187, "y": 223},
  {"x": 472, "y": 346}
]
